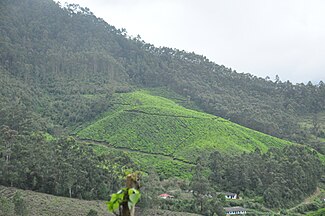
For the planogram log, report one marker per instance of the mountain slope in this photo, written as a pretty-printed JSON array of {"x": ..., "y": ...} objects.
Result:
[
  {"x": 19, "y": 103},
  {"x": 62, "y": 67},
  {"x": 147, "y": 123},
  {"x": 65, "y": 52}
]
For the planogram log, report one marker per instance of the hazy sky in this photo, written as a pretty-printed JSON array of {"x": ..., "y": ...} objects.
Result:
[{"x": 262, "y": 37}]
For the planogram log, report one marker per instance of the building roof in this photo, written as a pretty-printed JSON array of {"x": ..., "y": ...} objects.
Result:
[
  {"x": 234, "y": 209},
  {"x": 165, "y": 195},
  {"x": 229, "y": 194}
]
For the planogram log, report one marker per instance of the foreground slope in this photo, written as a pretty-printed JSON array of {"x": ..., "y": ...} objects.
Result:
[
  {"x": 151, "y": 124},
  {"x": 44, "y": 204}
]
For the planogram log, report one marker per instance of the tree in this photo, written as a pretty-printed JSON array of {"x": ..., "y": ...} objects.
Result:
[
  {"x": 200, "y": 186},
  {"x": 277, "y": 79},
  {"x": 316, "y": 125},
  {"x": 150, "y": 190}
]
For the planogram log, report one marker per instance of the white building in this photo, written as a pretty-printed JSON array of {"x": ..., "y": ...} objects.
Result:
[
  {"x": 237, "y": 210},
  {"x": 231, "y": 195}
]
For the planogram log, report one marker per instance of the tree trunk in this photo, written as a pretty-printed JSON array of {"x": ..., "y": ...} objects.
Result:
[
  {"x": 70, "y": 192},
  {"x": 126, "y": 211},
  {"x": 131, "y": 182}
]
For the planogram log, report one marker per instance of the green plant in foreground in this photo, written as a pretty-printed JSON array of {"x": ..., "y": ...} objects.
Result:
[
  {"x": 130, "y": 196},
  {"x": 126, "y": 198}
]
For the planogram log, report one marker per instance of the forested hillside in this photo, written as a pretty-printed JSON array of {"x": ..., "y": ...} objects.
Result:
[
  {"x": 82, "y": 103},
  {"x": 65, "y": 53}
]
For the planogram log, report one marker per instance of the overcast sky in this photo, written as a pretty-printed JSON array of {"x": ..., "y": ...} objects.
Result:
[{"x": 261, "y": 37}]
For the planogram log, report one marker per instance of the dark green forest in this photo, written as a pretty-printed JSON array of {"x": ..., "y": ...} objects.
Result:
[
  {"x": 280, "y": 176},
  {"x": 60, "y": 67},
  {"x": 60, "y": 167}
]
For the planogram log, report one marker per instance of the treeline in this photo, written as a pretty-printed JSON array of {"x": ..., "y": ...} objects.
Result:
[
  {"x": 53, "y": 67},
  {"x": 273, "y": 107},
  {"x": 278, "y": 179},
  {"x": 73, "y": 61},
  {"x": 59, "y": 167},
  {"x": 283, "y": 177}
]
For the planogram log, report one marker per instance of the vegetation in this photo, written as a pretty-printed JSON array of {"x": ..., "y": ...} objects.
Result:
[
  {"x": 152, "y": 124},
  {"x": 124, "y": 200},
  {"x": 62, "y": 64},
  {"x": 282, "y": 177},
  {"x": 60, "y": 167},
  {"x": 65, "y": 71},
  {"x": 315, "y": 125},
  {"x": 310, "y": 204},
  {"x": 167, "y": 167},
  {"x": 48, "y": 205},
  {"x": 318, "y": 212}
]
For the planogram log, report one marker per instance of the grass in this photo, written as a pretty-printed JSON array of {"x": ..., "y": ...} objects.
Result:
[
  {"x": 44, "y": 204},
  {"x": 158, "y": 127},
  {"x": 320, "y": 212},
  {"x": 49, "y": 205}
]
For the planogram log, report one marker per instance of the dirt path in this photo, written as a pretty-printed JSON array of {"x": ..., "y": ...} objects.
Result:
[{"x": 308, "y": 199}]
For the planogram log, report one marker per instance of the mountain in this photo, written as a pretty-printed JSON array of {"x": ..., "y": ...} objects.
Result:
[
  {"x": 82, "y": 103},
  {"x": 64, "y": 52}
]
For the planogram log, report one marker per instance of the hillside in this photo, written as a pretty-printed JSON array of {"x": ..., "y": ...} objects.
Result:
[
  {"x": 83, "y": 103},
  {"x": 44, "y": 204},
  {"x": 152, "y": 124},
  {"x": 65, "y": 52},
  {"x": 162, "y": 131},
  {"x": 41, "y": 204}
]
